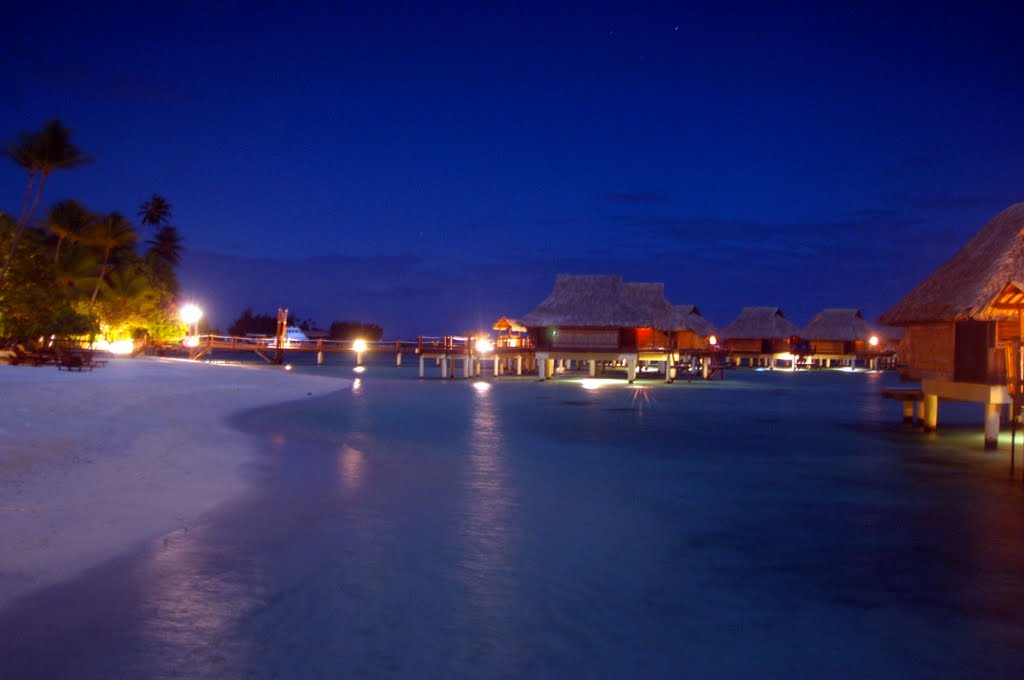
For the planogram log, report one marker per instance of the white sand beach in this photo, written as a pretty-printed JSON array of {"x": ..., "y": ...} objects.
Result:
[{"x": 93, "y": 463}]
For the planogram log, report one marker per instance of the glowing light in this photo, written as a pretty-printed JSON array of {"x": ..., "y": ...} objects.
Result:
[
  {"x": 873, "y": 341},
  {"x": 484, "y": 345},
  {"x": 121, "y": 347},
  {"x": 596, "y": 383},
  {"x": 359, "y": 346},
  {"x": 785, "y": 356},
  {"x": 481, "y": 386},
  {"x": 190, "y": 313},
  {"x": 357, "y": 384},
  {"x": 288, "y": 367},
  {"x": 359, "y": 369},
  {"x": 712, "y": 340}
]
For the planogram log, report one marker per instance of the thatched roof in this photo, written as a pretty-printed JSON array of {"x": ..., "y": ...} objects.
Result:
[
  {"x": 964, "y": 286},
  {"x": 510, "y": 325},
  {"x": 765, "y": 323},
  {"x": 601, "y": 301},
  {"x": 689, "y": 318},
  {"x": 838, "y": 324}
]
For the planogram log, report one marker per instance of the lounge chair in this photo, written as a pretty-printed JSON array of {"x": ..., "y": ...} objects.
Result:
[
  {"x": 21, "y": 355},
  {"x": 74, "y": 360}
]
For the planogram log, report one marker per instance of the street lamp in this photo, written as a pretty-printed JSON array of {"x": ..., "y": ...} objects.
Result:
[{"x": 191, "y": 314}]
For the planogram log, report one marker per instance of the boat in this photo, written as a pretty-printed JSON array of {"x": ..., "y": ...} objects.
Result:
[{"x": 293, "y": 335}]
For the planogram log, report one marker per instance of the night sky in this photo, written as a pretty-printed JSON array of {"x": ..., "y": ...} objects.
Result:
[{"x": 432, "y": 166}]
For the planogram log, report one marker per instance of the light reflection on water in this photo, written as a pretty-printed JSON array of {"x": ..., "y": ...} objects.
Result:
[
  {"x": 769, "y": 525},
  {"x": 488, "y": 496},
  {"x": 193, "y": 604}
]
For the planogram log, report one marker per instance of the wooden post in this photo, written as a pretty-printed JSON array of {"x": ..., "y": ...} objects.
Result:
[
  {"x": 421, "y": 365},
  {"x": 519, "y": 365},
  {"x": 282, "y": 330},
  {"x": 908, "y": 411},
  {"x": 931, "y": 412},
  {"x": 398, "y": 358},
  {"x": 444, "y": 367},
  {"x": 593, "y": 368},
  {"x": 320, "y": 358},
  {"x": 631, "y": 370},
  {"x": 991, "y": 427}
]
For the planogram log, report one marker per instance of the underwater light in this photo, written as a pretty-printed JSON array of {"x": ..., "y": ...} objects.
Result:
[
  {"x": 481, "y": 386},
  {"x": 359, "y": 369}
]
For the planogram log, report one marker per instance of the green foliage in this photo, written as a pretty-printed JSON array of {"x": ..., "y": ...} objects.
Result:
[
  {"x": 354, "y": 330},
  {"x": 33, "y": 303},
  {"x": 77, "y": 273}
]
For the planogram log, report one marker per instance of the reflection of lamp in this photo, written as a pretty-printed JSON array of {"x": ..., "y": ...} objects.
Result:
[{"x": 191, "y": 314}]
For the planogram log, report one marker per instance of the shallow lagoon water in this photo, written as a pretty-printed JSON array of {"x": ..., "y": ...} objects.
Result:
[{"x": 771, "y": 524}]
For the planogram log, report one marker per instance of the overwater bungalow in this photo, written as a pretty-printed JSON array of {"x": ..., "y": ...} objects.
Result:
[
  {"x": 841, "y": 337},
  {"x": 760, "y": 336},
  {"x": 511, "y": 333},
  {"x": 962, "y": 324},
  {"x": 692, "y": 330},
  {"x": 601, "y": 320}
]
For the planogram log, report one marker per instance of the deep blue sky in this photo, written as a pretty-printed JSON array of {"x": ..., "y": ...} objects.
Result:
[{"x": 432, "y": 166}]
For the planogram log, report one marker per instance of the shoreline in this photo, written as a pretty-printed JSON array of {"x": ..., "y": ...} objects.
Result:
[{"x": 92, "y": 464}]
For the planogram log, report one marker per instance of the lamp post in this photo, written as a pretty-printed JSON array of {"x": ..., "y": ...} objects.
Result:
[
  {"x": 359, "y": 346},
  {"x": 191, "y": 314}
]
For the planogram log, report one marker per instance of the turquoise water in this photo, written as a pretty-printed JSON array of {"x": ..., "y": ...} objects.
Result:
[{"x": 772, "y": 524}]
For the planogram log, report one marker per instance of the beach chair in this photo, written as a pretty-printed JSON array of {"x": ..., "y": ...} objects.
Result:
[
  {"x": 22, "y": 355},
  {"x": 73, "y": 360}
]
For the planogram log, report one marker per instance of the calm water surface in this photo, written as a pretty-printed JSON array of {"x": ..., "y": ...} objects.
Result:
[{"x": 769, "y": 525}]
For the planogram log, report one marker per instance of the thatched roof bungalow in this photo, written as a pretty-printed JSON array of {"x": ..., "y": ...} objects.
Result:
[
  {"x": 963, "y": 323},
  {"x": 840, "y": 331},
  {"x": 690, "y": 328},
  {"x": 759, "y": 330},
  {"x": 600, "y": 312},
  {"x": 511, "y": 333},
  {"x": 959, "y": 320}
]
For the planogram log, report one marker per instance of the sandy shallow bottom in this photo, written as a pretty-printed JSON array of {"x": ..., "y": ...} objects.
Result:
[{"x": 93, "y": 463}]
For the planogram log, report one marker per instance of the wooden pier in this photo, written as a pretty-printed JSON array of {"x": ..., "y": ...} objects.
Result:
[{"x": 468, "y": 357}]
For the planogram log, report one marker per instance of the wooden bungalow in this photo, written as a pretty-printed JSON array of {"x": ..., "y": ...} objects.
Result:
[
  {"x": 962, "y": 324},
  {"x": 760, "y": 336},
  {"x": 601, "y": 319},
  {"x": 692, "y": 330},
  {"x": 511, "y": 333},
  {"x": 841, "y": 337}
]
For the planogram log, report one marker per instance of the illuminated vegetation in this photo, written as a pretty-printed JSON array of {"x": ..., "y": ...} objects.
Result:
[{"x": 73, "y": 272}]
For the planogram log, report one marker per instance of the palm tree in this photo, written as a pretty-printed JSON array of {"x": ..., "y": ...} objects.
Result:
[
  {"x": 67, "y": 220},
  {"x": 166, "y": 246},
  {"x": 39, "y": 153},
  {"x": 109, "y": 233},
  {"x": 156, "y": 212},
  {"x": 127, "y": 297}
]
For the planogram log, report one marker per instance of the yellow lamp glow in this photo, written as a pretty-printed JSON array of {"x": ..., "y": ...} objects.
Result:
[
  {"x": 483, "y": 346},
  {"x": 191, "y": 313},
  {"x": 359, "y": 346},
  {"x": 873, "y": 341},
  {"x": 712, "y": 340}
]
